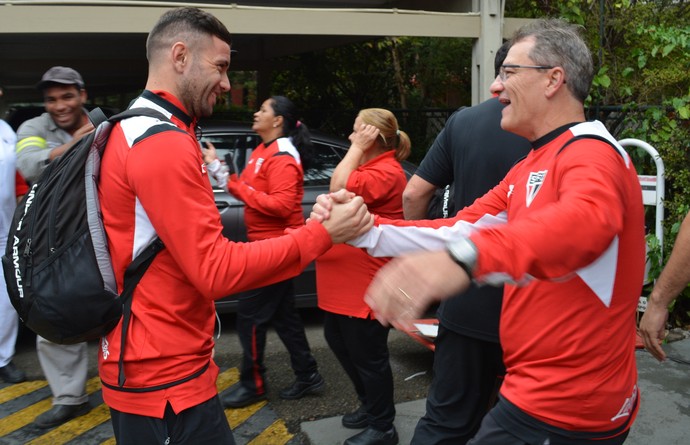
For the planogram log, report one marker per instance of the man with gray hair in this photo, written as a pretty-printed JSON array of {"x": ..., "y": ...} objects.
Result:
[
  {"x": 563, "y": 231},
  {"x": 473, "y": 154}
]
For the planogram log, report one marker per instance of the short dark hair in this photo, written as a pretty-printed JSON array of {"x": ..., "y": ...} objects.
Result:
[
  {"x": 501, "y": 56},
  {"x": 179, "y": 22}
]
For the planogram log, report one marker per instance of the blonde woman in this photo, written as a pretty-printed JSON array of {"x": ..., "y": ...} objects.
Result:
[{"x": 371, "y": 169}]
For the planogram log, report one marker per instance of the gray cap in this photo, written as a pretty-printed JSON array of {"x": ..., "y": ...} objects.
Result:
[{"x": 61, "y": 74}]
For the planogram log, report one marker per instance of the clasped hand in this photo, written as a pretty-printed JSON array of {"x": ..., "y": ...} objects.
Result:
[
  {"x": 344, "y": 215},
  {"x": 405, "y": 287}
]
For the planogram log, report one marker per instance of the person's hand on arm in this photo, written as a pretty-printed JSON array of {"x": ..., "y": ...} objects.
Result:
[
  {"x": 362, "y": 140},
  {"x": 324, "y": 203},
  {"x": 348, "y": 220},
  {"x": 80, "y": 133},
  {"x": 673, "y": 279},
  {"x": 416, "y": 198},
  {"x": 405, "y": 287}
]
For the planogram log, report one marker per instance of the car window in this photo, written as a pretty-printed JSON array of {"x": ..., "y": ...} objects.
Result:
[
  {"x": 326, "y": 157},
  {"x": 241, "y": 145}
]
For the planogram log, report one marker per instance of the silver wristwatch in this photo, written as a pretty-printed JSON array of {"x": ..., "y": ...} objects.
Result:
[{"x": 464, "y": 253}]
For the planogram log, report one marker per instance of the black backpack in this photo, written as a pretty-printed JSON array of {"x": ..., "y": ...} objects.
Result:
[{"x": 57, "y": 263}]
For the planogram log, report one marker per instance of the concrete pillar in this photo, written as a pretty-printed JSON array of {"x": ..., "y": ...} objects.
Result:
[{"x": 484, "y": 48}]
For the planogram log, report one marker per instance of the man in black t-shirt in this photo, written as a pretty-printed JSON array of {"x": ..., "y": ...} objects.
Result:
[{"x": 473, "y": 153}]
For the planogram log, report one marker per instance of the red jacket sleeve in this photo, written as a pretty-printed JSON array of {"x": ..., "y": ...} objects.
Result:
[
  {"x": 178, "y": 200},
  {"x": 21, "y": 188}
]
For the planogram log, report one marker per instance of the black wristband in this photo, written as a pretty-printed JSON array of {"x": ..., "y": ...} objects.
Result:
[
  {"x": 462, "y": 264},
  {"x": 464, "y": 253}
]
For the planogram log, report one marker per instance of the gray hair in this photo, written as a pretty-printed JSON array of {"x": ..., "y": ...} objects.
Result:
[{"x": 559, "y": 43}]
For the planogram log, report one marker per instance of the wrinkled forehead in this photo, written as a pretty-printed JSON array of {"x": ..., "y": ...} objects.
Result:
[{"x": 519, "y": 53}]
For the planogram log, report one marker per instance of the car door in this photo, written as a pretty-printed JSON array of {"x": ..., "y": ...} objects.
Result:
[{"x": 239, "y": 145}]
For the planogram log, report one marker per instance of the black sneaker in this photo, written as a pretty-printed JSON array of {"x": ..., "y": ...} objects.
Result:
[
  {"x": 11, "y": 374},
  {"x": 370, "y": 436},
  {"x": 302, "y": 387},
  {"x": 59, "y": 414},
  {"x": 356, "y": 419},
  {"x": 241, "y": 396}
]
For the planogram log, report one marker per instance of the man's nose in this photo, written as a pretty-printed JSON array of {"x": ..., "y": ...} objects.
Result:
[
  {"x": 225, "y": 84},
  {"x": 496, "y": 86}
]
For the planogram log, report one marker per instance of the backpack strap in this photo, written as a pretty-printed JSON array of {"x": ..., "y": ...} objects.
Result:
[
  {"x": 97, "y": 117},
  {"x": 133, "y": 274},
  {"x": 135, "y": 271},
  {"x": 589, "y": 136},
  {"x": 139, "y": 111}
]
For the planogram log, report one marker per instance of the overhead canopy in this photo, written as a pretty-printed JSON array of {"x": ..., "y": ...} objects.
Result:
[{"x": 104, "y": 40}]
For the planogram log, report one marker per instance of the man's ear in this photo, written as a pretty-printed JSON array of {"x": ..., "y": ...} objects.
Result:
[
  {"x": 556, "y": 81},
  {"x": 179, "y": 55},
  {"x": 83, "y": 96}
]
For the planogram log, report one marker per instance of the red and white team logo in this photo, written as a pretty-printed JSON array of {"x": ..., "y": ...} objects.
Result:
[
  {"x": 258, "y": 165},
  {"x": 534, "y": 182}
]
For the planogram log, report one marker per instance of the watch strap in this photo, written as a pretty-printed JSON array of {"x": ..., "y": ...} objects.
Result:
[{"x": 464, "y": 253}]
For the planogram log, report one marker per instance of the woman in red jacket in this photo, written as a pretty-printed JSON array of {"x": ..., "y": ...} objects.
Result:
[
  {"x": 271, "y": 187},
  {"x": 371, "y": 169}
]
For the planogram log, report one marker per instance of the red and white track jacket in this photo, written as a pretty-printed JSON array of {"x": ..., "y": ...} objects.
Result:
[
  {"x": 154, "y": 182},
  {"x": 572, "y": 257}
]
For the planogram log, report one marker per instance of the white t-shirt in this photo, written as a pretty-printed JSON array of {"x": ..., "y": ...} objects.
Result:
[{"x": 8, "y": 200}]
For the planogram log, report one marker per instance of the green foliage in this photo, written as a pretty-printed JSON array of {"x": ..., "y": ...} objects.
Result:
[
  {"x": 412, "y": 74},
  {"x": 649, "y": 64}
]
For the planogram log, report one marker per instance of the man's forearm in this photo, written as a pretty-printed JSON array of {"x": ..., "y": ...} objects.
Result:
[
  {"x": 676, "y": 274},
  {"x": 415, "y": 208},
  {"x": 416, "y": 198},
  {"x": 61, "y": 149}
]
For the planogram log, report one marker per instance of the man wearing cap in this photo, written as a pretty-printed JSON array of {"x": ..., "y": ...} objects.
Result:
[
  {"x": 39, "y": 141},
  {"x": 43, "y": 138}
]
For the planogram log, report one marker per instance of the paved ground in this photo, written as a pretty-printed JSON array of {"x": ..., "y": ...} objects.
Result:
[
  {"x": 276, "y": 422},
  {"x": 664, "y": 416}
]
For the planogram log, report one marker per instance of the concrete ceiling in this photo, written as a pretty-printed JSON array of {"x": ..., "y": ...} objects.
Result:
[{"x": 105, "y": 40}]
